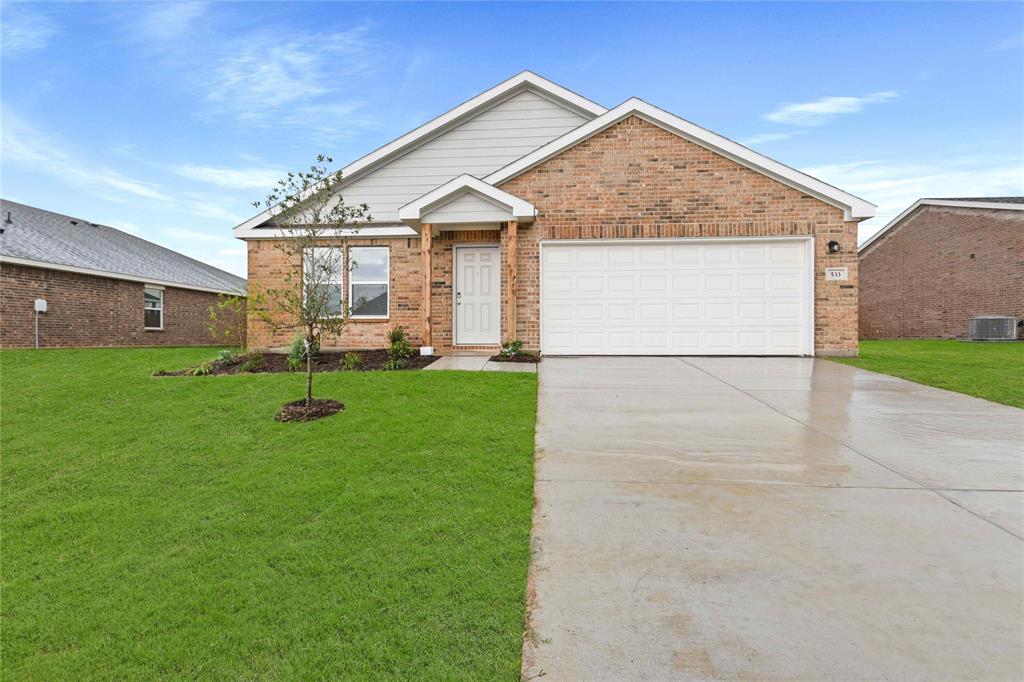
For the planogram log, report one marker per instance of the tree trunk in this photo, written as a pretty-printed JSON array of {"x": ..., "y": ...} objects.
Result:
[{"x": 309, "y": 372}]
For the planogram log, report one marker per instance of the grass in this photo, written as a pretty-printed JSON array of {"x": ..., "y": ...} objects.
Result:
[
  {"x": 170, "y": 528},
  {"x": 993, "y": 371}
]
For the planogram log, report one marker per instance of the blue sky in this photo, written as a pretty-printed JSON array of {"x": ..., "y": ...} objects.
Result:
[{"x": 167, "y": 120}]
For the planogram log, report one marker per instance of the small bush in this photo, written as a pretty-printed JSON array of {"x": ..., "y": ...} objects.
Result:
[
  {"x": 226, "y": 355},
  {"x": 399, "y": 348},
  {"x": 252, "y": 363},
  {"x": 298, "y": 349},
  {"x": 295, "y": 364},
  {"x": 201, "y": 370},
  {"x": 392, "y": 364},
  {"x": 352, "y": 361},
  {"x": 511, "y": 349}
]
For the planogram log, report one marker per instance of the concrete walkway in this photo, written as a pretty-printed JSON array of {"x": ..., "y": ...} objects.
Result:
[
  {"x": 480, "y": 363},
  {"x": 770, "y": 518}
]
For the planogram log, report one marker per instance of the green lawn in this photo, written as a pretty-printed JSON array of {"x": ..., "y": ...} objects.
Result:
[
  {"x": 170, "y": 528},
  {"x": 994, "y": 371}
]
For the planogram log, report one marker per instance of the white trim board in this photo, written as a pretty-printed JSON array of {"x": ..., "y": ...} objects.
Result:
[
  {"x": 854, "y": 208},
  {"x": 486, "y": 99},
  {"x": 114, "y": 275},
  {"x": 937, "y": 202},
  {"x": 520, "y": 209}
]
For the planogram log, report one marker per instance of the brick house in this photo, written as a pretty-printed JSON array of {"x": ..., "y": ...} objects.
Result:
[
  {"x": 532, "y": 213},
  {"x": 940, "y": 263},
  {"x": 102, "y": 286}
]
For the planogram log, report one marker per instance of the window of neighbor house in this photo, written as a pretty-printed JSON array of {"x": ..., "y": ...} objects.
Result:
[
  {"x": 330, "y": 259},
  {"x": 369, "y": 288},
  {"x": 153, "y": 308}
]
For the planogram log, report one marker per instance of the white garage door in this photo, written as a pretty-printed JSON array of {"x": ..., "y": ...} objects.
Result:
[{"x": 676, "y": 297}]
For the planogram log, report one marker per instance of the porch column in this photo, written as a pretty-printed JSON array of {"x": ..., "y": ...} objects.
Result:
[
  {"x": 510, "y": 259},
  {"x": 426, "y": 241}
]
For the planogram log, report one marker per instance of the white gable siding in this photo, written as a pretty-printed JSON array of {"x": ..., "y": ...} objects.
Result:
[
  {"x": 498, "y": 136},
  {"x": 468, "y": 208}
]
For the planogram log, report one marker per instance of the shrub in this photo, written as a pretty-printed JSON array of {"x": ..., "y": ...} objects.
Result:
[
  {"x": 399, "y": 348},
  {"x": 295, "y": 364},
  {"x": 392, "y": 364},
  {"x": 226, "y": 355},
  {"x": 352, "y": 361},
  {"x": 252, "y": 363},
  {"x": 511, "y": 349},
  {"x": 297, "y": 352},
  {"x": 201, "y": 370}
]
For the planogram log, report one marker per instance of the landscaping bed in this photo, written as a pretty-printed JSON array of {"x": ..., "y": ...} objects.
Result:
[
  {"x": 518, "y": 357},
  {"x": 273, "y": 363}
]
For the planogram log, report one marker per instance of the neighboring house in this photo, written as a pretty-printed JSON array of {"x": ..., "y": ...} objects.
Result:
[
  {"x": 940, "y": 263},
  {"x": 532, "y": 213},
  {"x": 102, "y": 287}
]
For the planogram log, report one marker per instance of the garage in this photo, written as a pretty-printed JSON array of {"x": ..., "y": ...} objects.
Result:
[{"x": 710, "y": 296}]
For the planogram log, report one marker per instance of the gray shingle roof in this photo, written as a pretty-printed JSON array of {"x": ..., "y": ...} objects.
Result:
[
  {"x": 39, "y": 235},
  {"x": 992, "y": 200}
]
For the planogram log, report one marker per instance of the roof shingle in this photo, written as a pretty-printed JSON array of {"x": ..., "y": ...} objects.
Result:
[{"x": 38, "y": 235}]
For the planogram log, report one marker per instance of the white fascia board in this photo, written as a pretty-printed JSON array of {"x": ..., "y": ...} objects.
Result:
[
  {"x": 410, "y": 214},
  {"x": 115, "y": 275},
  {"x": 854, "y": 208},
  {"x": 368, "y": 232},
  {"x": 427, "y": 130},
  {"x": 937, "y": 202}
]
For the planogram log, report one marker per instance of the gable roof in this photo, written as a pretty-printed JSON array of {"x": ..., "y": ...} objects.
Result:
[
  {"x": 998, "y": 203},
  {"x": 54, "y": 241},
  {"x": 519, "y": 209},
  {"x": 444, "y": 122},
  {"x": 854, "y": 208}
]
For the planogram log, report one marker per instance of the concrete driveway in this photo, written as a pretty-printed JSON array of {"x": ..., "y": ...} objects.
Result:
[{"x": 772, "y": 518}]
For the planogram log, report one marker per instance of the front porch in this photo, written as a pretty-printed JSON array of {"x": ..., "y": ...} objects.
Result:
[{"x": 469, "y": 247}]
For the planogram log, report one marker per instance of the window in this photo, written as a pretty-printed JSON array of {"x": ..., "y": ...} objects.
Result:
[
  {"x": 153, "y": 308},
  {"x": 368, "y": 281},
  {"x": 328, "y": 261}
]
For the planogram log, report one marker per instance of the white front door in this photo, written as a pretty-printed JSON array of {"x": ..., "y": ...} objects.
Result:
[
  {"x": 477, "y": 295},
  {"x": 677, "y": 297}
]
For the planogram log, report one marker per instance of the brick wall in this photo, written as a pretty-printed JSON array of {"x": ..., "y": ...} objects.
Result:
[
  {"x": 941, "y": 266},
  {"x": 86, "y": 311},
  {"x": 632, "y": 180},
  {"x": 637, "y": 180}
]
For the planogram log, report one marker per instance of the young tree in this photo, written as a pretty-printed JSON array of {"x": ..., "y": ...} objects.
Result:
[
  {"x": 311, "y": 213},
  {"x": 227, "y": 320}
]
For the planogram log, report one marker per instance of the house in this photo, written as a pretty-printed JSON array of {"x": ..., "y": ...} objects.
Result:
[
  {"x": 101, "y": 286},
  {"x": 940, "y": 263},
  {"x": 530, "y": 212}
]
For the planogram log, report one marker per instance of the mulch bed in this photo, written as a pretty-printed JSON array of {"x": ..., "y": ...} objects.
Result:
[
  {"x": 519, "y": 357},
  {"x": 326, "y": 361},
  {"x": 297, "y": 411}
]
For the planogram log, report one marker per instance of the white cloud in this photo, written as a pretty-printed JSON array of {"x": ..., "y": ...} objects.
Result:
[
  {"x": 165, "y": 22},
  {"x": 24, "y": 31},
  {"x": 196, "y": 236},
  {"x": 297, "y": 80},
  {"x": 895, "y": 187},
  {"x": 30, "y": 148},
  {"x": 819, "y": 111},
  {"x": 215, "y": 211},
  {"x": 233, "y": 178},
  {"x": 126, "y": 227},
  {"x": 764, "y": 138},
  {"x": 1014, "y": 42}
]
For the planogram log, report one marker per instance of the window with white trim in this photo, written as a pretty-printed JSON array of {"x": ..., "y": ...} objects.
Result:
[
  {"x": 329, "y": 261},
  {"x": 153, "y": 308},
  {"x": 369, "y": 285}
]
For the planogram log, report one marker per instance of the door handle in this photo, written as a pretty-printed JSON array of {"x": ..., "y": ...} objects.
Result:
[{"x": 458, "y": 298}]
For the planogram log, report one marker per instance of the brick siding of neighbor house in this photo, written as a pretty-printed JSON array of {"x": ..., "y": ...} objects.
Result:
[
  {"x": 632, "y": 180},
  {"x": 940, "y": 267},
  {"x": 91, "y": 311}
]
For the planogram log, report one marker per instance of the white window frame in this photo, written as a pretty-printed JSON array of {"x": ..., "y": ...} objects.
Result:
[
  {"x": 386, "y": 282},
  {"x": 160, "y": 289},
  {"x": 339, "y": 282}
]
